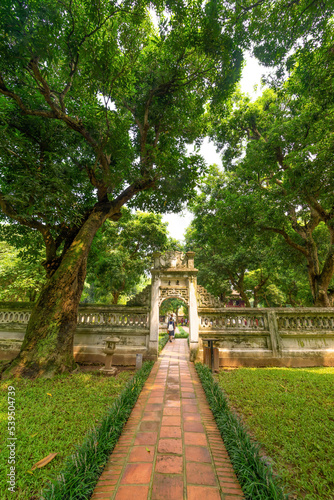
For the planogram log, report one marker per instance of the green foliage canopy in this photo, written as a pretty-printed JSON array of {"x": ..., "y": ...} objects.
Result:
[
  {"x": 229, "y": 253},
  {"x": 174, "y": 305},
  {"x": 285, "y": 178},
  {"x": 121, "y": 254},
  {"x": 21, "y": 277},
  {"x": 97, "y": 106}
]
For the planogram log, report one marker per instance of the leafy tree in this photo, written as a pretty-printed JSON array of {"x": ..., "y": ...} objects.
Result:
[
  {"x": 227, "y": 249},
  {"x": 233, "y": 251},
  {"x": 121, "y": 254},
  {"x": 97, "y": 106},
  {"x": 276, "y": 29},
  {"x": 286, "y": 177},
  {"x": 21, "y": 277}
]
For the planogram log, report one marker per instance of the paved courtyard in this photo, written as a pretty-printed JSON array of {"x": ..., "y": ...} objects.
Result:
[{"x": 170, "y": 448}]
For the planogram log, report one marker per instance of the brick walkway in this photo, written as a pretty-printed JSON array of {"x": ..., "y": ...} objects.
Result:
[{"x": 170, "y": 447}]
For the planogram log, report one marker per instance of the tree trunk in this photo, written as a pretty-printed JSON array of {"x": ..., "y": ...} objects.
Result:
[
  {"x": 239, "y": 285},
  {"x": 47, "y": 348},
  {"x": 319, "y": 282},
  {"x": 291, "y": 300},
  {"x": 244, "y": 297},
  {"x": 325, "y": 277},
  {"x": 256, "y": 298},
  {"x": 116, "y": 294}
]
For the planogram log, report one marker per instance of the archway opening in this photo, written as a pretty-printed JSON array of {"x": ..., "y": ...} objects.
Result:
[{"x": 173, "y": 307}]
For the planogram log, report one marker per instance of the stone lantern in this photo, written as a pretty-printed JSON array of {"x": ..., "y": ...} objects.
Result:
[{"x": 110, "y": 348}]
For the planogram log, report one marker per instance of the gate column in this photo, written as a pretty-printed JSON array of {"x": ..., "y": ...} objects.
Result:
[
  {"x": 154, "y": 312},
  {"x": 193, "y": 312}
]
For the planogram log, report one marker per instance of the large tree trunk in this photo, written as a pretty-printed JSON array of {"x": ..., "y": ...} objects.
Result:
[
  {"x": 326, "y": 275},
  {"x": 319, "y": 281},
  {"x": 319, "y": 287},
  {"x": 239, "y": 285},
  {"x": 47, "y": 348}
]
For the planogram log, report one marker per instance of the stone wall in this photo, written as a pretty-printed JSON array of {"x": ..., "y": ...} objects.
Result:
[
  {"x": 245, "y": 337},
  {"x": 95, "y": 323},
  {"x": 269, "y": 337}
]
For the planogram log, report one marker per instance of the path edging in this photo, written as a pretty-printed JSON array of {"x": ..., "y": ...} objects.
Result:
[
  {"x": 256, "y": 478},
  {"x": 83, "y": 468}
]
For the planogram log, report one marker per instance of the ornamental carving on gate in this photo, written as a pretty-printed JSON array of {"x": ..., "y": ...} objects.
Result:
[
  {"x": 173, "y": 260},
  {"x": 175, "y": 293},
  {"x": 175, "y": 270},
  {"x": 142, "y": 298},
  {"x": 205, "y": 299}
]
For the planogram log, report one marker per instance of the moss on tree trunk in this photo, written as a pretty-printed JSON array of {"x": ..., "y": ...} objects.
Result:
[{"x": 47, "y": 348}]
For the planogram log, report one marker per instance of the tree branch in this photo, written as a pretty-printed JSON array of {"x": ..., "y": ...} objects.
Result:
[
  {"x": 287, "y": 238},
  {"x": 8, "y": 210}
]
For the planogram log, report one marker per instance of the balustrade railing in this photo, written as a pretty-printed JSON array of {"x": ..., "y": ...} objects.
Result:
[
  {"x": 113, "y": 319},
  {"x": 90, "y": 315},
  {"x": 21, "y": 317},
  {"x": 307, "y": 319},
  {"x": 270, "y": 337},
  {"x": 231, "y": 320}
]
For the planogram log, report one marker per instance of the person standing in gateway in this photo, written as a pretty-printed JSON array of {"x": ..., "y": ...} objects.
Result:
[{"x": 171, "y": 329}]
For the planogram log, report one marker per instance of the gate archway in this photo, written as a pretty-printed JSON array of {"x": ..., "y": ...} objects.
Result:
[
  {"x": 173, "y": 276},
  {"x": 172, "y": 306}
]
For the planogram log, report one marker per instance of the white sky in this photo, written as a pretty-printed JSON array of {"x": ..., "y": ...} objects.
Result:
[{"x": 251, "y": 76}]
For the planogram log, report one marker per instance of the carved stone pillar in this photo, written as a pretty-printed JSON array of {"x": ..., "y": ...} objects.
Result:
[
  {"x": 193, "y": 313},
  {"x": 190, "y": 259},
  {"x": 156, "y": 260},
  {"x": 274, "y": 334},
  {"x": 154, "y": 316}
]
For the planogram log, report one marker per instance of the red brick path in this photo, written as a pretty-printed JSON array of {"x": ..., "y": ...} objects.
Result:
[{"x": 170, "y": 447}]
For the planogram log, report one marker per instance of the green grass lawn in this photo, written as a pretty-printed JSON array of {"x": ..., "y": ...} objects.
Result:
[
  {"x": 291, "y": 413},
  {"x": 182, "y": 335},
  {"x": 52, "y": 416}
]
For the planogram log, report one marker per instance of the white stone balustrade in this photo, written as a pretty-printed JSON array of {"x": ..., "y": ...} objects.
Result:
[
  {"x": 236, "y": 321},
  {"x": 90, "y": 318},
  {"x": 14, "y": 317},
  {"x": 306, "y": 322},
  {"x": 270, "y": 337},
  {"x": 113, "y": 318},
  {"x": 95, "y": 323}
]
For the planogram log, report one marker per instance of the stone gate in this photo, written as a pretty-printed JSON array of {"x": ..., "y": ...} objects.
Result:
[{"x": 174, "y": 276}]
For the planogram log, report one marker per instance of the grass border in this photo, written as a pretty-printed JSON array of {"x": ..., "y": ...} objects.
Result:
[
  {"x": 83, "y": 468},
  {"x": 255, "y": 476},
  {"x": 163, "y": 341},
  {"x": 183, "y": 334}
]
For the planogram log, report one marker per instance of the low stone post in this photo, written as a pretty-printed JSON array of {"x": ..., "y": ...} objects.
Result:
[
  {"x": 274, "y": 335},
  {"x": 154, "y": 316},
  {"x": 139, "y": 361}
]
